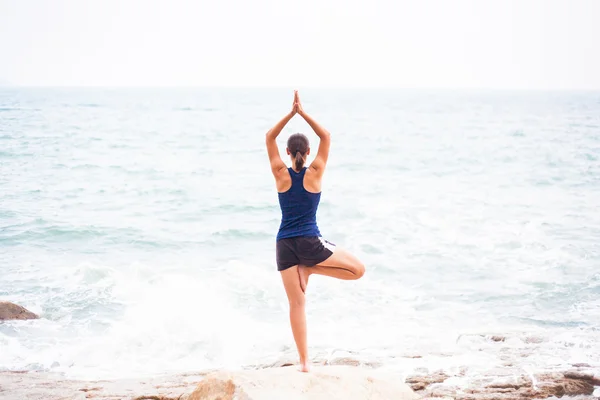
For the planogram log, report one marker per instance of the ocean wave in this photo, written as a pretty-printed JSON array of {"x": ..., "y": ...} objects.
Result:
[
  {"x": 41, "y": 232},
  {"x": 244, "y": 208},
  {"x": 50, "y": 236},
  {"x": 238, "y": 234},
  {"x": 89, "y": 105}
]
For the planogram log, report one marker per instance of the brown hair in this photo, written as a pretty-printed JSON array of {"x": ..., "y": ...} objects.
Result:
[{"x": 297, "y": 144}]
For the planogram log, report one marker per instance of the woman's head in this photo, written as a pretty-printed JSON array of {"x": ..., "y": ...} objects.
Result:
[{"x": 298, "y": 148}]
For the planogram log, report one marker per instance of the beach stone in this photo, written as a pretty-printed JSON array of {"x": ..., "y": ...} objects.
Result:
[
  {"x": 421, "y": 382},
  {"x": 352, "y": 362},
  {"x": 437, "y": 390},
  {"x": 582, "y": 365},
  {"x": 322, "y": 383},
  {"x": 589, "y": 376},
  {"x": 9, "y": 311},
  {"x": 510, "y": 384},
  {"x": 54, "y": 386},
  {"x": 534, "y": 340},
  {"x": 559, "y": 385}
]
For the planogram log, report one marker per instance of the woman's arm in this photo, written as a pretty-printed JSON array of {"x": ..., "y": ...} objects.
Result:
[
  {"x": 320, "y": 160},
  {"x": 277, "y": 163}
]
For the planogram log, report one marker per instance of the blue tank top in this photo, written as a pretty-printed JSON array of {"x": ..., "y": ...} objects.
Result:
[{"x": 298, "y": 209}]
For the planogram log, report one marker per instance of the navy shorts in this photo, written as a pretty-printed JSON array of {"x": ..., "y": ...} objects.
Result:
[{"x": 302, "y": 250}]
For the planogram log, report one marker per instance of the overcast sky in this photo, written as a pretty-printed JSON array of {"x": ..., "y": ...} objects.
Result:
[{"x": 417, "y": 43}]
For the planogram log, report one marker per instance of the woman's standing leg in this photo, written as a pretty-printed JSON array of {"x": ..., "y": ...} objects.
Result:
[{"x": 296, "y": 299}]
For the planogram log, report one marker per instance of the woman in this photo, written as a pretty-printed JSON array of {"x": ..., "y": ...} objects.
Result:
[{"x": 301, "y": 250}]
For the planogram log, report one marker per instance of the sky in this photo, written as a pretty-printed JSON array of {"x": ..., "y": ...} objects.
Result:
[{"x": 504, "y": 44}]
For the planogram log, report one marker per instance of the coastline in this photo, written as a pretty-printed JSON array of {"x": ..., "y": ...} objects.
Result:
[
  {"x": 323, "y": 382},
  {"x": 502, "y": 373},
  {"x": 52, "y": 386},
  {"x": 344, "y": 378}
]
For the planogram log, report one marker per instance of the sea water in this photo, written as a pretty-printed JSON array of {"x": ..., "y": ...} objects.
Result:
[{"x": 140, "y": 225}]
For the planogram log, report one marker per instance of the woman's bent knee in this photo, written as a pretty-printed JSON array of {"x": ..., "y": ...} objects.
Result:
[{"x": 359, "y": 270}]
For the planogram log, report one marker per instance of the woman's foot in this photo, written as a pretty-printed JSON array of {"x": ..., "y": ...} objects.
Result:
[
  {"x": 303, "y": 274},
  {"x": 304, "y": 366}
]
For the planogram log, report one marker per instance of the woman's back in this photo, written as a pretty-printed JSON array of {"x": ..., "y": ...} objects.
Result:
[{"x": 298, "y": 208}]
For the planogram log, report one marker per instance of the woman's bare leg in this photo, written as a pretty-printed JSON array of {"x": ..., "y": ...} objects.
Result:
[
  {"x": 341, "y": 265},
  {"x": 295, "y": 296}
]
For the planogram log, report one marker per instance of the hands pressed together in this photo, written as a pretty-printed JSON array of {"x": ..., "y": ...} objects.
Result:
[
  {"x": 319, "y": 162},
  {"x": 297, "y": 108},
  {"x": 297, "y": 105}
]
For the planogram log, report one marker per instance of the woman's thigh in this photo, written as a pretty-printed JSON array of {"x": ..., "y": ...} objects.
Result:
[
  {"x": 291, "y": 283},
  {"x": 342, "y": 258}
]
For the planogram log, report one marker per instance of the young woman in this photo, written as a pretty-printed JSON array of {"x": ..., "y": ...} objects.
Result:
[{"x": 301, "y": 250}]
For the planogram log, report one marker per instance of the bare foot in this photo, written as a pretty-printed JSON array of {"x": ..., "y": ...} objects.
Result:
[
  {"x": 303, "y": 273},
  {"x": 304, "y": 366}
]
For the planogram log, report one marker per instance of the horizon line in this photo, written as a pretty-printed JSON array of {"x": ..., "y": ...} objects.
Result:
[{"x": 292, "y": 87}]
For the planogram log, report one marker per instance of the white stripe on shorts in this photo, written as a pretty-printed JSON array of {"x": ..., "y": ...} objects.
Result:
[{"x": 329, "y": 246}]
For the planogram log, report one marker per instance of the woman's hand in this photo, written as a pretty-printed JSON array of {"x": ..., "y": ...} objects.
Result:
[{"x": 297, "y": 104}]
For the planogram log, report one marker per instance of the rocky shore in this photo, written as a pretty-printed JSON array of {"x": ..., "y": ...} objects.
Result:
[
  {"x": 348, "y": 382},
  {"x": 323, "y": 383},
  {"x": 342, "y": 378},
  {"x": 509, "y": 383}
]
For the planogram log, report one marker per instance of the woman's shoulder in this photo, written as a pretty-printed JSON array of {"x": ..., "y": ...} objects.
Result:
[
  {"x": 283, "y": 180},
  {"x": 312, "y": 181}
]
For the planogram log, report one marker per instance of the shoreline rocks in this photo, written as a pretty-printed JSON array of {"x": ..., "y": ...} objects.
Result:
[
  {"x": 508, "y": 383},
  {"x": 53, "y": 386},
  {"x": 12, "y": 311},
  {"x": 323, "y": 382}
]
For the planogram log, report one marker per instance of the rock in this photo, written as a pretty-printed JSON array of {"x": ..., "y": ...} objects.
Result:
[
  {"x": 511, "y": 384},
  {"x": 441, "y": 390},
  {"x": 10, "y": 310},
  {"x": 438, "y": 398},
  {"x": 420, "y": 382},
  {"x": 353, "y": 362},
  {"x": 412, "y": 356},
  {"x": 585, "y": 376},
  {"x": 558, "y": 384},
  {"x": 580, "y": 365},
  {"x": 53, "y": 386},
  {"x": 534, "y": 340},
  {"x": 322, "y": 383},
  {"x": 282, "y": 362}
]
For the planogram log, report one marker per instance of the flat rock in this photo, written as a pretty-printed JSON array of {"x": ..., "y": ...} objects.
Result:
[
  {"x": 51, "y": 386},
  {"x": 10, "y": 311},
  {"x": 322, "y": 383},
  {"x": 510, "y": 384},
  {"x": 420, "y": 382}
]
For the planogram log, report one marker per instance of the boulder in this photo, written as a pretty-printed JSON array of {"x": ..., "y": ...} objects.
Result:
[
  {"x": 10, "y": 310},
  {"x": 322, "y": 383},
  {"x": 421, "y": 382},
  {"x": 509, "y": 384}
]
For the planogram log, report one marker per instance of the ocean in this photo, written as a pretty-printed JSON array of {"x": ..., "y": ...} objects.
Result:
[{"x": 140, "y": 225}]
